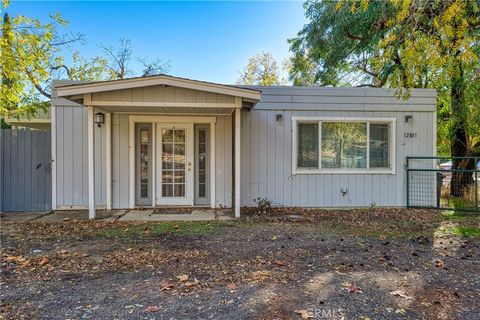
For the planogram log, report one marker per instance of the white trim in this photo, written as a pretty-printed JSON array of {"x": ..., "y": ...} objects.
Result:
[
  {"x": 131, "y": 180},
  {"x": 294, "y": 146},
  {"x": 161, "y": 104},
  {"x": 213, "y": 167},
  {"x": 320, "y": 145},
  {"x": 54, "y": 156},
  {"x": 368, "y": 145},
  {"x": 108, "y": 159},
  {"x": 69, "y": 90},
  {"x": 393, "y": 145},
  {"x": 343, "y": 119},
  {"x": 154, "y": 120},
  {"x": 154, "y": 164},
  {"x": 91, "y": 162},
  {"x": 188, "y": 199},
  {"x": 320, "y": 170},
  {"x": 169, "y": 114},
  {"x": 237, "y": 161},
  {"x": 175, "y": 119}
]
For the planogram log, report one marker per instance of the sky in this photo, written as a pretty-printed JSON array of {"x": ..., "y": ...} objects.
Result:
[{"x": 209, "y": 41}]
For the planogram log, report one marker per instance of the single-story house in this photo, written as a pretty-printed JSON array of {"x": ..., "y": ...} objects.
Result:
[{"x": 170, "y": 141}]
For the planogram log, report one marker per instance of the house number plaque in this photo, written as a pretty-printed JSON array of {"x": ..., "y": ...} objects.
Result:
[{"x": 410, "y": 135}]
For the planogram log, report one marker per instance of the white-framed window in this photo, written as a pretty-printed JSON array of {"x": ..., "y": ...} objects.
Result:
[{"x": 343, "y": 145}]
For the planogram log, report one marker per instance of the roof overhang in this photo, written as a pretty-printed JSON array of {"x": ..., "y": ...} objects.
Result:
[{"x": 77, "y": 91}]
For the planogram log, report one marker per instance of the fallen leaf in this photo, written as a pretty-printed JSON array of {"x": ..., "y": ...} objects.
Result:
[
  {"x": 166, "y": 286},
  {"x": 232, "y": 286},
  {"x": 12, "y": 259},
  {"x": 192, "y": 283},
  {"x": 66, "y": 219},
  {"x": 44, "y": 261},
  {"x": 400, "y": 294},
  {"x": 63, "y": 251},
  {"x": 352, "y": 288},
  {"x": 274, "y": 238},
  {"x": 304, "y": 314},
  {"x": 152, "y": 309},
  {"x": 280, "y": 263},
  {"x": 182, "y": 278},
  {"x": 441, "y": 264}
]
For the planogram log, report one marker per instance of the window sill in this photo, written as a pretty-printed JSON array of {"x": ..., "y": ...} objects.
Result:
[{"x": 342, "y": 171}]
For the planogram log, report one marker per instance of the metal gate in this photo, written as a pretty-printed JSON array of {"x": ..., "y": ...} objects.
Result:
[
  {"x": 440, "y": 183},
  {"x": 25, "y": 170}
]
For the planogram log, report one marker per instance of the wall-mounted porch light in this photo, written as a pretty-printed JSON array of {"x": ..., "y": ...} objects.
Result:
[
  {"x": 98, "y": 119},
  {"x": 279, "y": 117},
  {"x": 408, "y": 118}
]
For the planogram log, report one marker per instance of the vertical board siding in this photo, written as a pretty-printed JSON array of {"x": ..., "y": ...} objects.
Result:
[
  {"x": 120, "y": 161},
  {"x": 267, "y": 162},
  {"x": 72, "y": 173},
  {"x": 72, "y": 160},
  {"x": 266, "y": 150},
  {"x": 25, "y": 171},
  {"x": 223, "y": 161}
]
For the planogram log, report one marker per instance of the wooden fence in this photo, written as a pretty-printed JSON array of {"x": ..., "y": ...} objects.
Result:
[{"x": 25, "y": 170}]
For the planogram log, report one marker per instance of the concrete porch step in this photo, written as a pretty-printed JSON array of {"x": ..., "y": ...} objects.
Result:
[{"x": 195, "y": 215}]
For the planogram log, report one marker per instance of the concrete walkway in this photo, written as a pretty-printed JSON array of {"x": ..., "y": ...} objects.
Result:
[
  {"x": 195, "y": 215},
  {"x": 120, "y": 215}
]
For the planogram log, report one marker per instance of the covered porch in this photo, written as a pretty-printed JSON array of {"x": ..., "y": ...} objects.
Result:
[{"x": 162, "y": 141}]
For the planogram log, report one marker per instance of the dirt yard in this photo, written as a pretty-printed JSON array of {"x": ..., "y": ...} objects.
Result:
[{"x": 310, "y": 264}]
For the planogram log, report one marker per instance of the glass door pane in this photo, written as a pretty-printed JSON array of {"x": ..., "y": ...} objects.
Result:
[
  {"x": 202, "y": 165},
  {"x": 173, "y": 163},
  {"x": 143, "y": 164}
]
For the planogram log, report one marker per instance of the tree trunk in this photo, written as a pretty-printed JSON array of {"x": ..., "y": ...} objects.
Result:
[{"x": 459, "y": 144}]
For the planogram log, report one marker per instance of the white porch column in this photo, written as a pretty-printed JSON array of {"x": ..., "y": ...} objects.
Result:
[
  {"x": 108, "y": 159},
  {"x": 213, "y": 168},
  {"x": 238, "y": 113},
  {"x": 91, "y": 163}
]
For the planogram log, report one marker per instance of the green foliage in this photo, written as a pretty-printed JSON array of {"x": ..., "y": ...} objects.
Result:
[
  {"x": 262, "y": 69},
  {"x": 3, "y": 124},
  {"x": 164, "y": 228},
  {"x": 401, "y": 44},
  {"x": 31, "y": 51},
  {"x": 32, "y": 54}
]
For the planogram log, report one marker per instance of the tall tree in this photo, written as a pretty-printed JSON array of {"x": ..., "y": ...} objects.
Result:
[
  {"x": 119, "y": 61},
  {"x": 31, "y": 51},
  {"x": 262, "y": 69},
  {"x": 401, "y": 44},
  {"x": 32, "y": 55}
]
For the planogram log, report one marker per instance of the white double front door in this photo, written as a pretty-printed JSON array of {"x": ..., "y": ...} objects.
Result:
[{"x": 175, "y": 164}]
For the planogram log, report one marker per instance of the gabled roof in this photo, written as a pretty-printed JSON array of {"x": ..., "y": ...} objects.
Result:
[{"x": 166, "y": 80}]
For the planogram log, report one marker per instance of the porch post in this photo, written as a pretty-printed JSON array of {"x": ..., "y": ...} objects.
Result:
[
  {"x": 91, "y": 164},
  {"x": 108, "y": 159},
  {"x": 238, "y": 112}
]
